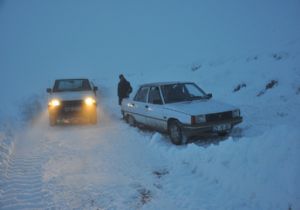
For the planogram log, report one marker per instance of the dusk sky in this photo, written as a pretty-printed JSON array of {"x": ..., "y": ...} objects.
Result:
[{"x": 44, "y": 40}]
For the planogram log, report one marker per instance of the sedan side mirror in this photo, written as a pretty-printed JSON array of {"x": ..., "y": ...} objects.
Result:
[
  {"x": 49, "y": 90},
  {"x": 209, "y": 95}
]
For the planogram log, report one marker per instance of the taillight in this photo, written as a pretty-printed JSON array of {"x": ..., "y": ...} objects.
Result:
[{"x": 193, "y": 120}]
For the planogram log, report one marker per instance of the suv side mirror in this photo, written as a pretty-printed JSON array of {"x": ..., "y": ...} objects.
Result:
[
  {"x": 95, "y": 88},
  {"x": 209, "y": 95},
  {"x": 49, "y": 90}
]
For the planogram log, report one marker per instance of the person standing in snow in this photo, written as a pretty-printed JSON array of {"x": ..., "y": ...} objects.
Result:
[{"x": 124, "y": 88}]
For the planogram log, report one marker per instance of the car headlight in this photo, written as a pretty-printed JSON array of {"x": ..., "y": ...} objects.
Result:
[
  {"x": 54, "y": 103},
  {"x": 198, "y": 119},
  {"x": 89, "y": 101},
  {"x": 236, "y": 113}
]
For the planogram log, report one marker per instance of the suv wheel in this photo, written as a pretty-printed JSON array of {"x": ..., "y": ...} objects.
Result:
[
  {"x": 93, "y": 117},
  {"x": 52, "y": 120}
]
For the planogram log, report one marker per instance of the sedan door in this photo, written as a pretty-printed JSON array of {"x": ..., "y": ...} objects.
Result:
[
  {"x": 155, "y": 110},
  {"x": 139, "y": 105}
]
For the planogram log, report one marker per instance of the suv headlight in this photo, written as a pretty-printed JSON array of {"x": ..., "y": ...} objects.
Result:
[
  {"x": 54, "y": 103},
  {"x": 236, "y": 113},
  {"x": 89, "y": 101},
  {"x": 198, "y": 119}
]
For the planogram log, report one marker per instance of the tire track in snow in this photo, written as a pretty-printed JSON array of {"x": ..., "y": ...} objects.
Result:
[
  {"x": 82, "y": 167},
  {"x": 22, "y": 186}
]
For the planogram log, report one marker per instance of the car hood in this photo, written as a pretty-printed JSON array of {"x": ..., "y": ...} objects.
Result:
[
  {"x": 75, "y": 95},
  {"x": 198, "y": 107}
]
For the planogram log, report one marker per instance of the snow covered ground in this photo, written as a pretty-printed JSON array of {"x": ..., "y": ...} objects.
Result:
[
  {"x": 114, "y": 166},
  {"x": 248, "y": 56}
]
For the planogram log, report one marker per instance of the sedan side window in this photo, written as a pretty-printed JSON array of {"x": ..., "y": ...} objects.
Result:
[
  {"x": 142, "y": 94},
  {"x": 154, "y": 96}
]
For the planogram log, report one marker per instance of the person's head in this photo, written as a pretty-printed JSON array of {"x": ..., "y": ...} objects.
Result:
[{"x": 121, "y": 77}]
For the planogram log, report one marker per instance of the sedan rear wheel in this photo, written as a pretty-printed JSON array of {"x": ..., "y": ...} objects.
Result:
[
  {"x": 130, "y": 120},
  {"x": 175, "y": 132}
]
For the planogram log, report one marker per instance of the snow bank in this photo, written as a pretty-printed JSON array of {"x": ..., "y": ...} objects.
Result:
[
  {"x": 6, "y": 150},
  {"x": 248, "y": 173},
  {"x": 11, "y": 123}
]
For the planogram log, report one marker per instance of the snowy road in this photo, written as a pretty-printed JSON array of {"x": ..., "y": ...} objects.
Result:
[
  {"x": 114, "y": 166},
  {"x": 81, "y": 167}
]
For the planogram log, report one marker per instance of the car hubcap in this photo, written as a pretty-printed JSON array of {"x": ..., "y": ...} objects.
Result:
[
  {"x": 130, "y": 120},
  {"x": 175, "y": 133}
]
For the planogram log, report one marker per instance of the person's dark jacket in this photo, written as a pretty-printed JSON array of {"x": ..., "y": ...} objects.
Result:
[{"x": 124, "y": 89}]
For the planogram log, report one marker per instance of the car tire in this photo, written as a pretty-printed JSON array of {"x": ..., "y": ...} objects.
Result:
[
  {"x": 223, "y": 134},
  {"x": 175, "y": 132},
  {"x": 52, "y": 120},
  {"x": 94, "y": 118},
  {"x": 130, "y": 120}
]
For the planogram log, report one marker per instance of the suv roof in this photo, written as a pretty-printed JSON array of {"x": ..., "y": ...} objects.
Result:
[{"x": 71, "y": 79}]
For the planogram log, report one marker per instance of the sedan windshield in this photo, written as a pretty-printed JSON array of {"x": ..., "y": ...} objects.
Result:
[
  {"x": 182, "y": 92},
  {"x": 71, "y": 85}
]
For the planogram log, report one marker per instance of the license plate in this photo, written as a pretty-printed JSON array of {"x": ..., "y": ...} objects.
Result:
[
  {"x": 222, "y": 127},
  {"x": 72, "y": 109}
]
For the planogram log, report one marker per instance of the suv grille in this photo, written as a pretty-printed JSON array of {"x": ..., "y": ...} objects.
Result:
[
  {"x": 70, "y": 107},
  {"x": 219, "y": 116},
  {"x": 75, "y": 103}
]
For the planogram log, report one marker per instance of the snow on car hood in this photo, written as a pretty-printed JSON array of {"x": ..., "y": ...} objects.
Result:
[
  {"x": 72, "y": 95},
  {"x": 198, "y": 107}
]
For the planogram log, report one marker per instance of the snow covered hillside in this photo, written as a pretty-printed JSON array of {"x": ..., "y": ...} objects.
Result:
[{"x": 245, "y": 53}]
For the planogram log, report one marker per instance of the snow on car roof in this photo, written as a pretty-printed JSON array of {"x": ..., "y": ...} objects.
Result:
[{"x": 164, "y": 83}]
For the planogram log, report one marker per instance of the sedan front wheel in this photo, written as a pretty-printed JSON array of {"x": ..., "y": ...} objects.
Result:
[{"x": 176, "y": 134}]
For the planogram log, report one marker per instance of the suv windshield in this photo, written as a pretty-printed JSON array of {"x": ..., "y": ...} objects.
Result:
[
  {"x": 178, "y": 92},
  {"x": 71, "y": 85}
]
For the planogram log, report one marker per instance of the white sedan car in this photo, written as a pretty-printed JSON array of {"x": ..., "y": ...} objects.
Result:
[
  {"x": 180, "y": 108},
  {"x": 72, "y": 100}
]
